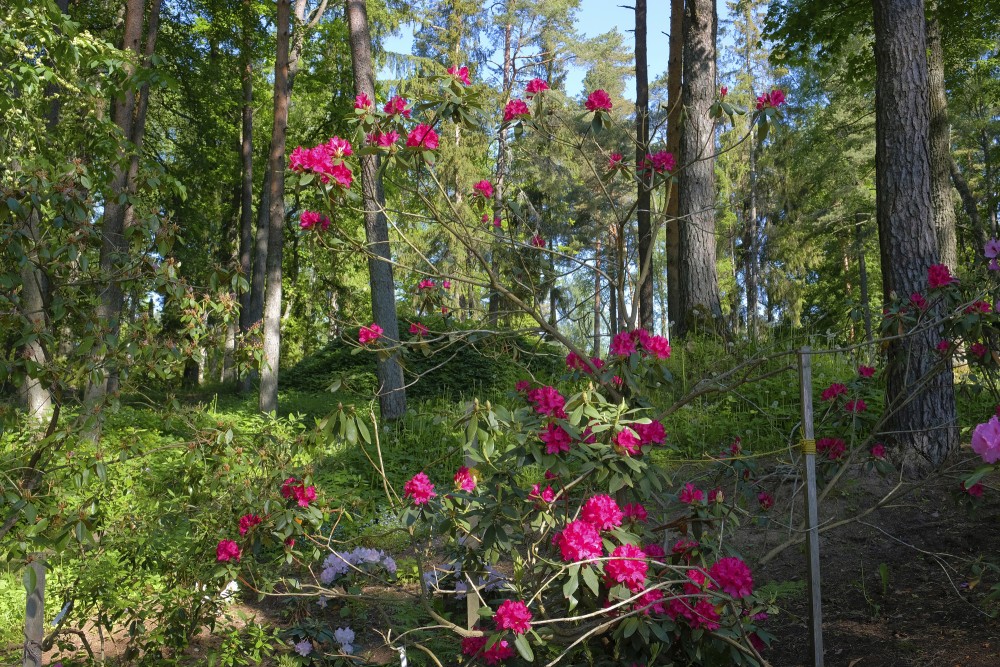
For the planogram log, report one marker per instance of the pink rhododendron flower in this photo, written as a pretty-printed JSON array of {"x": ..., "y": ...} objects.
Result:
[
  {"x": 736, "y": 447},
  {"x": 602, "y": 512},
  {"x": 460, "y": 73},
  {"x": 981, "y": 307},
  {"x": 994, "y": 265},
  {"x": 227, "y": 550},
  {"x": 325, "y": 160},
  {"x": 833, "y": 391},
  {"x": 426, "y": 283},
  {"x": 856, "y": 405},
  {"x": 878, "y": 451},
  {"x": 522, "y": 386},
  {"x": 556, "y": 439},
  {"x": 575, "y": 362},
  {"x": 733, "y": 576},
  {"x": 493, "y": 655},
  {"x": 446, "y": 284},
  {"x": 369, "y": 334},
  {"x": 548, "y": 401},
  {"x": 396, "y": 106},
  {"x": 683, "y": 549},
  {"x": 615, "y": 161},
  {"x": 292, "y": 488},
  {"x": 658, "y": 346},
  {"x": 938, "y": 275},
  {"x": 943, "y": 345},
  {"x": 660, "y": 162},
  {"x": 704, "y": 615},
  {"x": 538, "y": 241},
  {"x": 513, "y": 616},
  {"x": 496, "y": 222},
  {"x": 579, "y": 541},
  {"x": 382, "y": 139},
  {"x": 986, "y": 440},
  {"x": 690, "y": 495},
  {"x": 362, "y": 101},
  {"x": 340, "y": 173},
  {"x": 723, "y": 92},
  {"x": 537, "y": 493},
  {"x": 419, "y": 489},
  {"x": 535, "y": 86},
  {"x": 834, "y": 448},
  {"x": 418, "y": 329},
  {"x": 423, "y": 137},
  {"x": 978, "y": 350},
  {"x": 773, "y": 99},
  {"x": 650, "y": 433},
  {"x": 515, "y": 110},
  {"x": 635, "y": 512},
  {"x": 766, "y": 500},
  {"x": 654, "y": 551},
  {"x": 627, "y": 566},
  {"x": 651, "y": 602},
  {"x": 598, "y": 100},
  {"x": 918, "y": 301},
  {"x": 866, "y": 371},
  {"x": 248, "y": 521},
  {"x": 310, "y": 219},
  {"x": 622, "y": 345},
  {"x": 465, "y": 480},
  {"x": 976, "y": 490},
  {"x": 992, "y": 249},
  {"x": 627, "y": 443},
  {"x": 484, "y": 189}
]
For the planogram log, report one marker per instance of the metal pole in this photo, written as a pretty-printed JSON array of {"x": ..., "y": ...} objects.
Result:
[
  {"x": 34, "y": 617},
  {"x": 812, "y": 514}
]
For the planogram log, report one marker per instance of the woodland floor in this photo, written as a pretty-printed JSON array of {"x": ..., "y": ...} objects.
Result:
[{"x": 931, "y": 611}]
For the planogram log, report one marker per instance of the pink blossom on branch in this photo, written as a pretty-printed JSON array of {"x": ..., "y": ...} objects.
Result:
[
  {"x": 548, "y": 401},
  {"x": 418, "y": 329},
  {"x": 362, "y": 101},
  {"x": 635, "y": 512},
  {"x": 396, "y": 106},
  {"x": 484, "y": 189},
  {"x": 248, "y": 521},
  {"x": 514, "y": 616},
  {"x": 537, "y": 241},
  {"x": 622, "y": 345},
  {"x": 627, "y": 566},
  {"x": 733, "y": 576},
  {"x": 615, "y": 161},
  {"x": 419, "y": 489},
  {"x": 310, "y": 219},
  {"x": 536, "y": 86},
  {"x": 369, "y": 334},
  {"x": 515, "y": 110},
  {"x": 227, "y": 550},
  {"x": 423, "y": 137},
  {"x": 986, "y": 440},
  {"x": 547, "y": 495},
  {"x": 650, "y": 433},
  {"x": 833, "y": 448},
  {"x": 627, "y": 443},
  {"x": 460, "y": 73},
  {"x": 599, "y": 100},
  {"x": 856, "y": 405},
  {"x": 556, "y": 439},
  {"x": 938, "y": 275},
  {"x": 579, "y": 541},
  {"x": 833, "y": 391},
  {"x": 866, "y": 371},
  {"x": 465, "y": 479},
  {"x": 602, "y": 512},
  {"x": 690, "y": 495},
  {"x": 878, "y": 451}
]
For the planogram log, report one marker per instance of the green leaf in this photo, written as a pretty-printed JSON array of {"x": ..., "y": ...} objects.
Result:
[
  {"x": 590, "y": 578},
  {"x": 524, "y": 648},
  {"x": 979, "y": 473},
  {"x": 30, "y": 579}
]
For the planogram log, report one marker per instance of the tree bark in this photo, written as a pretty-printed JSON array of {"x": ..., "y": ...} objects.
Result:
[
  {"x": 391, "y": 393},
  {"x": 699, "y": 299},
  {"x": 645, "y": 279},
  {"x": 597, "y": 299},
  {"x": 968, "y": 203},
  {"x": 674, "y": 111},
  {"x": 501, "y": 174},
  {"x": 129, "y": 114},
  {"x": 276, "y": 216},
  {"x": 34, "y": 295},
  {"x": 940, "y": 141},
  {"x": 246, "y": 161},
  {"x": 920, "y": 393}
]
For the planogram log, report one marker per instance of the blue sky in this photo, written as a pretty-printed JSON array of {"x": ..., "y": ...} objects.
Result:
[{"x": 596, "y": 17}]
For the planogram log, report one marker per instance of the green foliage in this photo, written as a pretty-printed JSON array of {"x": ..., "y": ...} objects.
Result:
[{"x": 458, "y": 364}]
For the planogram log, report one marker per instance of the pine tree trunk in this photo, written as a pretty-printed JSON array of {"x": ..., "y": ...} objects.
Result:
[
  {"x": 597, "y": 299},
  {"x": 968, "y": 203},
  {"x": 392, "y": 393},
  {"x": 645, "y": 279},
  {"x": 246, "y": 161},
  {"x": 940, "y": 138},
  {"x": 920, "y": 394},
  {"x": 500, "y": 179},
  {"x": 699, "y": 300},
  {"x": 674, "y": 116},
  {"x": 276, "y": 219},
  {"x": 129, "y": 114}
]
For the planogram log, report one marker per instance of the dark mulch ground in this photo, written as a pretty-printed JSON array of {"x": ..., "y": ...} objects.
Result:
[{"x": 931, "y": 611}]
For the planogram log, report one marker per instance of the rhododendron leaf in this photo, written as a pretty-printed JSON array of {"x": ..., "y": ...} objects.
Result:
[
  {"x": 524, "y": 648},
  {"x": 306, "y": 178},
  {"x": 590, "y": 578},
  {"x": 30, "y": 580},
  {"x": 977, "y": 475}
]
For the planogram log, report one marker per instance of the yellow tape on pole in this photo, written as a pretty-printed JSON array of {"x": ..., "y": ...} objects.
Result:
[{"x": 808, "y": 445}]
